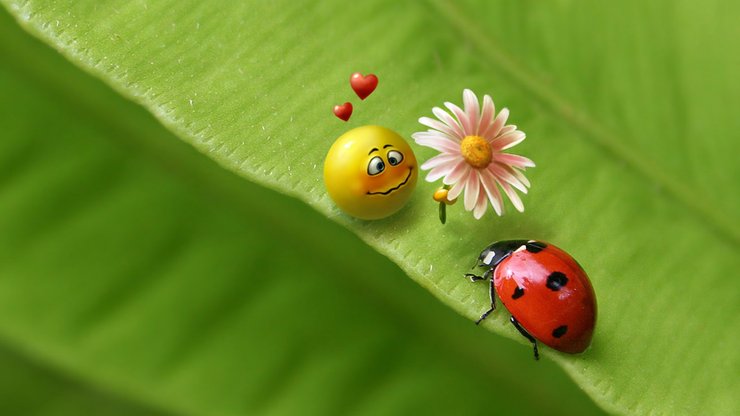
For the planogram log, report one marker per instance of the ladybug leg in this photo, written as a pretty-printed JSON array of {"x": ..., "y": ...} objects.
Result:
[
  {"x": 492, "y": 294},
  {"x": 526, "y": 335},
  {"x": 474, "y": 277}
]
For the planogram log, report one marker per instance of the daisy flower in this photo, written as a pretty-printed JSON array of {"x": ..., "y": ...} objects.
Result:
[{"x": 472, "y": 158}]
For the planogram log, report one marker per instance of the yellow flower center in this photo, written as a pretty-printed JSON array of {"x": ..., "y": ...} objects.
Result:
[{"x": 476, "y": 151}]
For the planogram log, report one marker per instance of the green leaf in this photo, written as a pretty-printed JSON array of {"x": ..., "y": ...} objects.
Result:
[
  {"x": 630, "y": 110},
  {"x": 137, "y": 277},
  {"x": 27, "y": 388}
]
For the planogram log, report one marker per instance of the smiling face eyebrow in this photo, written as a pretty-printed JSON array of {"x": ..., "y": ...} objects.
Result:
[
  {"x": 374, "y": 149},
  {"x": 387, "y": 146}
]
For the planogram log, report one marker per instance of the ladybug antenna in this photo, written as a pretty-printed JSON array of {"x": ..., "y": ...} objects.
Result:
[{"x": 476, "y": 264}]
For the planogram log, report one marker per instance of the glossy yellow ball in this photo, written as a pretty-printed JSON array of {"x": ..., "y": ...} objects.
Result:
[{"x": 370, "y": 172}]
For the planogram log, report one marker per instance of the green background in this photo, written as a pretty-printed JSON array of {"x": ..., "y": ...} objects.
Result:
[{"x": 138, "y": 276}]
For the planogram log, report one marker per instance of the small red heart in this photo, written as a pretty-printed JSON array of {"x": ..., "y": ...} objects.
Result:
[
  {"x": 363, "y": 85},
  {"x": 343, "y": 111}
]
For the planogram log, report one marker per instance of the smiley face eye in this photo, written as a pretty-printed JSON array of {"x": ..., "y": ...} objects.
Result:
[
  {"x": 395, "y": 157},
  {"x": 375, "y": 166}
]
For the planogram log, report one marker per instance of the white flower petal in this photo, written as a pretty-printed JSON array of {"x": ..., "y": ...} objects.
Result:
[
  {"x": 481, "y": 205},
  {"x": 472, "y": 109},
  {"x": 495, "y": 127},
  {"x": 489, "y": 184},
  {"x": 457, "y": 174},
  {"x": 461, "y": 117},
  {"x": 439, "y": 172},
  {"x": 438, "y": 143},
  {"x": 513, "y": 196},
  {"x": 513, "y": 160},
  {"x": 456, "y": 189},
  {"x": 519, "y": 175},
  {"x": 455, "y": 128},
  {"x": 440, "y": 126},
  {"x": 508, "y": 140},
  {"x": 434, "y": 133},
  {"x": 487, "y": 115},
  {"x": 502, "y": 174},
  {"x": 507, "y": 129},
  {"x": 472, "y": 186},
  {"x": 427, "y": 134},
  {"x": 441, "y": 159},
  {"x": 455, "y": 138}
]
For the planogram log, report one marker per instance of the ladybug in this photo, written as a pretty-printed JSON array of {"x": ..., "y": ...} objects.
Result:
[{"x": 548, "y": 294}]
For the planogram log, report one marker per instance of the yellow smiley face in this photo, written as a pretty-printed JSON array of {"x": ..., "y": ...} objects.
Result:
[{"x": 370, "y": 172}]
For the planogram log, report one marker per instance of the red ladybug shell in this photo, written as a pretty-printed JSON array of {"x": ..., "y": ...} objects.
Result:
[{"x": 550, "y": 295}]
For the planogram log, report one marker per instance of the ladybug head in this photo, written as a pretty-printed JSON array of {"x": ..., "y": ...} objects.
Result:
[{"x": 492, "y": 255}]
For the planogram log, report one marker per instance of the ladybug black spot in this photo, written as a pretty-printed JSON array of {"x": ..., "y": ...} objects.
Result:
[
  {"x": 560, "y": 331},
  {"x": 556, "y": 280},
  {"x": 518, "y": 292},
  {"x": 535, "y": 246}
]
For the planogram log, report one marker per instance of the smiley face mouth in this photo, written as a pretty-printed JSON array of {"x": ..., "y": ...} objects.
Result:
[{"x": 394, "y": 188}]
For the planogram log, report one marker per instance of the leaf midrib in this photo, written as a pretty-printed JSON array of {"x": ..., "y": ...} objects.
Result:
[{"x": 591, "y": 130}]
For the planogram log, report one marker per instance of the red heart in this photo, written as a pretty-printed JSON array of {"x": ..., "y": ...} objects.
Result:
[
  {"x": 363, "y": 85},
  {"x": 343, "y": 111}
]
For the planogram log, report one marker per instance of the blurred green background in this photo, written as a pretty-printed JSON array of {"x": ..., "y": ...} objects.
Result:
[{"x": 138, "y": 276}]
